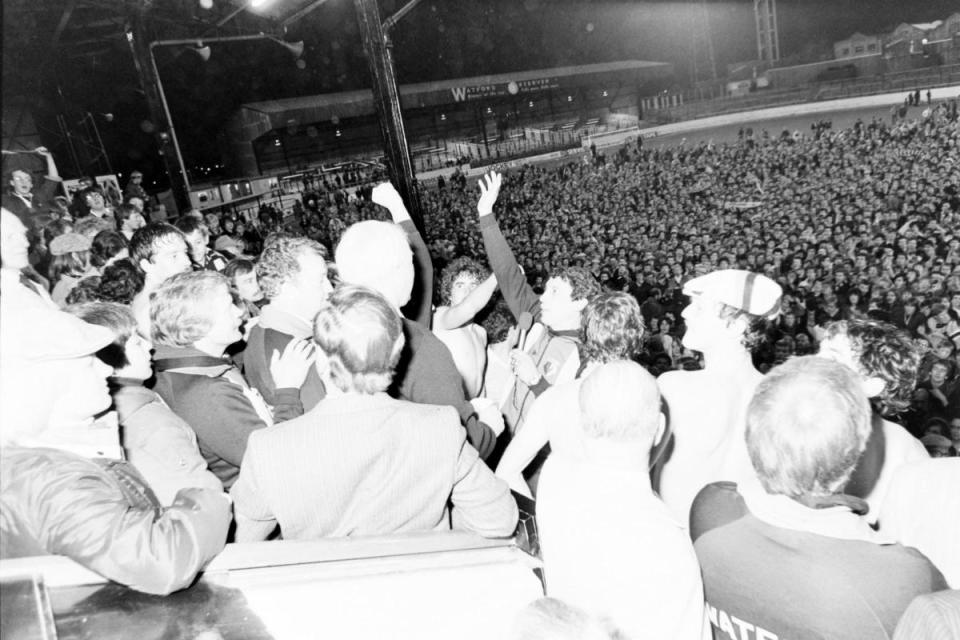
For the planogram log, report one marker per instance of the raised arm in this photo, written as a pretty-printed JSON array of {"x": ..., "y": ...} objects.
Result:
[
  {"x": 52, "y": 172},
  {"x": 516, "y": 290},
  {"x": 456, "y": 316},
  {"x": 421, "y": 301}
]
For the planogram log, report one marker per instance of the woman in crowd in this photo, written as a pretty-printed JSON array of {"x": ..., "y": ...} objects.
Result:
[{"x": 155, "y": 440}]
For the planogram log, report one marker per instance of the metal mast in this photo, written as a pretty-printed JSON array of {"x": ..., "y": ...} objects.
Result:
[
  {"x": 768, "y": 43},
  {"x": 704, "y": 61}
]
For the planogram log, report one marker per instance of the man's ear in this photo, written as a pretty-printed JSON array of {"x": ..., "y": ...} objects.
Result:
[
  {"x": 873, "y": 386},
  {"x": 661, "y": 428},
  {"x": 144, "y": 265}
]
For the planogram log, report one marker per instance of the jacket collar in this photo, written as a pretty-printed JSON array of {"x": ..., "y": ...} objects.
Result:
[
  {"x": 129, "y": 396},
  {"x": 339, "y": 402},
  {"x": 285, "y": 322},
  {"x": 188, "y": 360},
  {"x": 836, "y": 518}
]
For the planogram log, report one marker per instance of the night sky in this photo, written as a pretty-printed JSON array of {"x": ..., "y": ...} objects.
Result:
[{"x": 439, "y": 39}]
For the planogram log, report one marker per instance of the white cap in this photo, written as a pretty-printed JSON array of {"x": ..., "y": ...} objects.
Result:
[{"x": 745, "y": 290}]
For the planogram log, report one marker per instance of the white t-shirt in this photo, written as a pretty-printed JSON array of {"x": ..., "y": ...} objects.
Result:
[
  {"x": 612, "y": 548},
  {"x": 900, "y": 448},
  {"x": 922, "y": 510}
]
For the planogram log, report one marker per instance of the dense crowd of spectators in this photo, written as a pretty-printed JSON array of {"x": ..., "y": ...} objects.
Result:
[
  {"x": 852, "y": 223},
  {"x": 708, "y": 266}
]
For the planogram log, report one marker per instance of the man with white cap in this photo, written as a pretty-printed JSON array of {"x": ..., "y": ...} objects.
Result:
[{"x": 726, "y": 316}]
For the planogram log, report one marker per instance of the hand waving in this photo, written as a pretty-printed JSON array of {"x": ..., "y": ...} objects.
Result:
[
  {"x": 489, "y": 191},
  {"x": 386, "y": 195}
]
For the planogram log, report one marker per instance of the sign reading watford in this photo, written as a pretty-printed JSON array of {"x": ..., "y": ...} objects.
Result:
[{"x": 512, "y": 88}]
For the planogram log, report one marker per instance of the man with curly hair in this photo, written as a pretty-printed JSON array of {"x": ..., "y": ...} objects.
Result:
[
  {"x": 548, "y": 354},
  {"x": 466, "y": 287},
  {"x": 887, "y": 362},
  {"x": 292, "y": 272},
  {"x": 727, "y": 316},
  {"x": 612, "y": 330}
]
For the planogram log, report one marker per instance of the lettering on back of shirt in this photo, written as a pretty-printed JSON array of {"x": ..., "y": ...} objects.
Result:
[{"x": 735, "y": 628}]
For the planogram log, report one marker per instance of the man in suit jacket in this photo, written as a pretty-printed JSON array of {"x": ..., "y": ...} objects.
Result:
[{"x": 361, "y": 462}]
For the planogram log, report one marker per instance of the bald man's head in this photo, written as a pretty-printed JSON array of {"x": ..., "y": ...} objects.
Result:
[
  {"x": 377, "y": 255},
  {"x": 620, "y": 401}
]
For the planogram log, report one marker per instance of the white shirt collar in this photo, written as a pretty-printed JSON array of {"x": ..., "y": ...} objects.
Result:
[{"x": 832, "y": 522}]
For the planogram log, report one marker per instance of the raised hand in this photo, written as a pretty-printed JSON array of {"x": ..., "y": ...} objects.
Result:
[
  {"x": 489, "y": 191},
  {"x": 386, "y": 195}
]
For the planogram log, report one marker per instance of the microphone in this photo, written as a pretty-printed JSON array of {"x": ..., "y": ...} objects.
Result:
[{"x": 525, "y": 322}]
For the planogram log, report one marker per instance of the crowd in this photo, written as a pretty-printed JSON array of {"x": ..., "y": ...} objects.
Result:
[{"x": 721, "y": 371}]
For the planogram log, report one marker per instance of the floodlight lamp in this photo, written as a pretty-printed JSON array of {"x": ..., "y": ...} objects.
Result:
[
  {"x": 296, "y": 48},
  {"x": 202, "y": 51}
]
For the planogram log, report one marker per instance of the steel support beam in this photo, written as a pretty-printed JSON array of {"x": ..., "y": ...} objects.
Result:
[
  {"x": 165, "y": 135},
  {"x": 386, "y": 99}
]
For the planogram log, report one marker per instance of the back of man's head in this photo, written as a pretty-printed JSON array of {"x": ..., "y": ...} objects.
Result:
[
  {"x": 612, "y": 328},
  {"x": 619, "y": 401},
  {"x": 882, "y": 351},
  {"x": 377, "y": 255},
  {"x": 362, "y": 336},
  {"x": 807, "y": 425}
]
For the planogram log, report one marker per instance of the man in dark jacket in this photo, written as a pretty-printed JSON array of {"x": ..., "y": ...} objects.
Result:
[
  {"x": 193, "y": 320},
  {"x": 292, "y": 272}
]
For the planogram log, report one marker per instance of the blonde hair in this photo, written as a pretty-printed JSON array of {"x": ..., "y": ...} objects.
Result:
[
  {"x": 362, "y": 335},
  {"x": 179, "y": 313}
]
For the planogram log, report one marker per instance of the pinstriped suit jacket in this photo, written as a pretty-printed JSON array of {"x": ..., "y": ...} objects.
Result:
[{"x": 359, "y": 465}]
